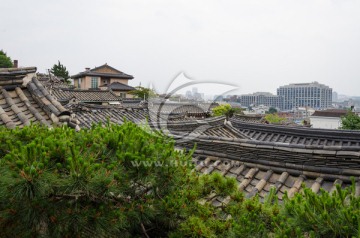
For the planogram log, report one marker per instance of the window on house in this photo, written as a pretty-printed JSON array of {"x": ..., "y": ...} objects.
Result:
[
  {"x": 94, "y": 82},
  {"x": 123, "y": 95}
]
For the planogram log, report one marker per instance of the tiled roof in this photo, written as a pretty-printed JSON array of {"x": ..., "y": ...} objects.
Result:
[
  {"x": 178, "y": 108},
  {"x": 330, "y": 113},
  {"x": 64, "y": 92},
  {"x": 93, "y": 72},
  {"x": 255, "y": 179},
  {"x": 297, "y": 135},
  {"x": 84, "y": 95},
  {"x": 116, "y": 86},
  {"x": 53, "y": 82},
  {"x": 23, "y": 99},
  {"x": 88, "y": 114},
  {"x": 249, "y": 118},
  {"x": 258, "y": 166}
]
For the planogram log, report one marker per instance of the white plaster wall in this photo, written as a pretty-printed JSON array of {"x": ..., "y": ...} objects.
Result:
[{"x": 325, "y": 122}]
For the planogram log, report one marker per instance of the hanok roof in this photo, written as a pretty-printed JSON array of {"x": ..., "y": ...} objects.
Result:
[
  {"x": 88, "y": 114},
  {"x": 321, "y": 159},
  {"x": 80, "y": 95},
  {"x": 256, "y": 179},
  {"x": 297, "y": 135},
  {"x": 103, "y": 71},
  {"x": 23, "y": 99},
  {"x": 116, "y": 86},
  {"x": 330, "y": 113}
]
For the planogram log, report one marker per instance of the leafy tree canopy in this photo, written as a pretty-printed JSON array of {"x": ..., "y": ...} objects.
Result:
[
  {"x": 274, "y": 119},
  {"x": 272, "y": 110},
  {"x": 60, "y": 70},
  {"x": 5, "y": 61},
  {"x": 143, "y": 93},
  {"x": 225, "y": 110},
  {"x": 351, "y": 121}
]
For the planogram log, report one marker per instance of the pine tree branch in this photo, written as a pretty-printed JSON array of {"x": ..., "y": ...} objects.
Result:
[{"x": 144, "y": 230}]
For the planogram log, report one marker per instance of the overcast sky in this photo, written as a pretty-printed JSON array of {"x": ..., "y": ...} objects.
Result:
[{"x": 256, "y": 45}]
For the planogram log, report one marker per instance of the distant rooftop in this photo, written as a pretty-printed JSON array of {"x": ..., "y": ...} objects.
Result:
[
  {"x": 104, "y": 70},
  {"x": 312, "y": 84},
  {"x": 258, "y": 94},
  {"x": 330, "y": 113}
]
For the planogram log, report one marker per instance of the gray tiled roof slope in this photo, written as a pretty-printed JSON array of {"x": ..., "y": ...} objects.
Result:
[
  {"x": 254, "y": 179},
  {"x": 52, "y": 81},
  {"x": 173, "y": 107},
  {"x": 215, "y": 131},
  {"x": 23, "y": 100},
  {"x": 214, "y": 127},
  {"x": 330, "y": 113},
  {"x": 89, "y": 114},
  {"x": 120, "y": 86},
  {"x": 335, "y": 160},
  {"x": 297, "y": 135},
  {"x": 249, "y": 118},
  {"x": 64, "y": 92},
  {"x": 84, "y": 95}
]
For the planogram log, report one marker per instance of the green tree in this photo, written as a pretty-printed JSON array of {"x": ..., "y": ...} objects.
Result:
[
  {"x": 5, "y": 61},
  {"x": 272, "y": 110},
  {"x": 225, "y": 110},
  {"x": 60, "y": 70},
  {"x": 274, "y": 119},
  {"x": 127, "y": 181},
  {"x": 350, "y": 121},
  {"x": 93, "y": 183},
  {"x": 143, "y": 93}
]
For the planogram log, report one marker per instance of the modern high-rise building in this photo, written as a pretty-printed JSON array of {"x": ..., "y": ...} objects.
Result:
[
  {"x": 261, "y": 98},
  {"x": 315, "y": 95}
]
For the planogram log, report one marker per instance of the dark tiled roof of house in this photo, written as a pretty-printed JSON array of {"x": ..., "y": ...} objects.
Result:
[
  {"x": 330, "y": 113},
  {"x": 116, "y": 86},
  {"x": 23, "y": 100},
  {"x": 258, "y": 166},
  {"x": 249, "y": 118},
  {"x": 64, "y": 92},
  {"x": 53, "y": 82},
  {"x": 256, "y": 179},
  {"x": 297, "y": 135},
  {"x": 82, "y": 95},
  {"x": 93, "y": 72},
  {"x": 88, "y": 114},
  {"x": 174, "y": 108}
]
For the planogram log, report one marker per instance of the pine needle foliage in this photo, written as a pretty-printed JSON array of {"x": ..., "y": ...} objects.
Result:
[
  {"x": 5, "y": 61},
  {"x": 60, "y": 70},
  {"x": 62, "y": 183},
  {"x": 124, "y": 181}
]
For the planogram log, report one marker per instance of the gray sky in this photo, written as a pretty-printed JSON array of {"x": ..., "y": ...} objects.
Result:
[{"x": 257, "y": 45}]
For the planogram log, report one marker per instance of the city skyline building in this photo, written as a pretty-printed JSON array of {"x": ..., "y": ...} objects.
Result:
[
  {"x": 261, "y": 98},
  {"x": 314, "y": 94}
]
